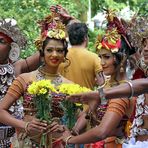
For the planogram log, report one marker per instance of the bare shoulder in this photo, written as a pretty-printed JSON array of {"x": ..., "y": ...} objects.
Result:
[
  {"x": 20, "y": 62},
  {"x": 28, "y": 77}
]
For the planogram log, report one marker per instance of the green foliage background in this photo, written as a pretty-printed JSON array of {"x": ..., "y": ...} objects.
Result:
[{"x": 28, "y": 12}]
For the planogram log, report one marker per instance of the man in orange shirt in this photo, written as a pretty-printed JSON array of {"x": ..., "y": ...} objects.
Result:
[{"x": 82, "y": 66}]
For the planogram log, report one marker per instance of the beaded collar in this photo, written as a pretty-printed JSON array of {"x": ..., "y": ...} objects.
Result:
[
  {"x": 56, "y": 79},
  {"x": 28, "y": 102},
  {"x": 7, "y": 75}
]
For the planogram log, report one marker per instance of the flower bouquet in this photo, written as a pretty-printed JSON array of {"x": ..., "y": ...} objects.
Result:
[
  {"x": 71, "y": 109},
  {"x": 41, "y": 92},
  {"x": 49, "y": 100}
]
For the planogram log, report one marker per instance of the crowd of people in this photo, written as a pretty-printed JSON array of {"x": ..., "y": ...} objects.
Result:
[{"x": 113, "y": 116}]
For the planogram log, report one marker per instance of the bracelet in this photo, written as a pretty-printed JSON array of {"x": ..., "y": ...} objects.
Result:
[
  {"x": 74, "y": 132},
  {"x": 66, "y": 141},
  {"x": 132, "y": 90},
  {"x": 26, "y": 126}
]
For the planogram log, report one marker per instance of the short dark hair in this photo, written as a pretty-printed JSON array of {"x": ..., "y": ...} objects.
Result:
[{"x": 77, "y": 33}]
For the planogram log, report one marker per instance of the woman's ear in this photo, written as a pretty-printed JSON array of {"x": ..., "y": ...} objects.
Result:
[{"x": 64, "y": 59}]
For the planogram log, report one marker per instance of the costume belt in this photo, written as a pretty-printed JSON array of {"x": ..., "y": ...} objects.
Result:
[{"x": 112, "y": 142}]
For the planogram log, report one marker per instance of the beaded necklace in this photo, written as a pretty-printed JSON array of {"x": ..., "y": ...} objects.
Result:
[
  {"x": 7, "y": 75},
  {"x": 56, "y": 79}
]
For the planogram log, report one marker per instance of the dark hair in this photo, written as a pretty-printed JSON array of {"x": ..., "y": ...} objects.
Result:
[
  {"x": 77, "y": 33},
  {"x": 124, "y": 51},
  {"x": 118, "y": 57},
  {"x": 46, "y": 42}
]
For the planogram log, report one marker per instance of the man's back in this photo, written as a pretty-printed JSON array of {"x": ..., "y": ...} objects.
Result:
[{"x": 82, "y": 67}]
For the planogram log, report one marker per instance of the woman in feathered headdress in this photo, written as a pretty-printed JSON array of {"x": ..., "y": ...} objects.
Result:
[
  {"x": 110, "y": 117},
  {"x": 139, "y": 127},
  {"x": 52, "y": 46}
]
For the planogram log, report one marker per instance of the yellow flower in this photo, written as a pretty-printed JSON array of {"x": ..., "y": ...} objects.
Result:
[
  {"x": 44, "y": 86},
  {"x": 99, "y": 46},
  {"x": 78, "y": 104},
  {"x": 42, "y": 91},
  {"x": 62, "y": 34},
  {"x": 33, "y": 89},
  {"x": 72, "y": 89},
  {"x": 39, "y": 87},
  {"x": 56, "y": 33}
]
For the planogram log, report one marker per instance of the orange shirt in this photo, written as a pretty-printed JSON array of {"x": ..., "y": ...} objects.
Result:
[{"x": 82, "y": 67}]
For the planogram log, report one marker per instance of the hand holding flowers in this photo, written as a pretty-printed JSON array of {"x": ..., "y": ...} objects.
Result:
[
  {"x": 46, "y": 98},
  {"x": 35, "y": 127}
]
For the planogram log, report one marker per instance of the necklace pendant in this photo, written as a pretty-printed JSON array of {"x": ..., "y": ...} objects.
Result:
[
  {"x": 10, "y": 80},
  {"x": 3, "y": 71},
  {"x": 4, "y": 89},
  {"x": 55, "y": 79},
  {"x": 10, "y": 69},
  {"x": 4, "y": 79}
]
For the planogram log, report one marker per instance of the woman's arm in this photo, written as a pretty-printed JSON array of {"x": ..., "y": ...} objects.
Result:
[
  {"x": 116, "y": 109},
  {"x": 109, "y": 123},
  {"x": 5, "y": 116},
  {"x": 64, "y": 15},
  {"x": 140, "y": 86},
  {"x": 15, "y": 91},
  {"x": 27, "y": 65}
]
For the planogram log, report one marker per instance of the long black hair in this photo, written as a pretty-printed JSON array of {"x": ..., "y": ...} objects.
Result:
[{"x": 124, "y": 51}]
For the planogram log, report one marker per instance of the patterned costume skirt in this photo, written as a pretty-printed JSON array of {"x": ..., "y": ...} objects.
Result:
[
  {"x": 26, "y": 142},
  {"x": 6, "y": 132},
  {"x": 107, "y": 143}
]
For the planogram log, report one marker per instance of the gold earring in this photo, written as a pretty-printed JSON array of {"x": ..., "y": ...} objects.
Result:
[
  {"x": 42, "y": 62},
  {"x": 121, "y": 68},
  {"x": 64, "y": 60},
  {"x": 122, "y": 64}
]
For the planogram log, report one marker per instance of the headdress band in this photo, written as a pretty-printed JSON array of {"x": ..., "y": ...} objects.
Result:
[
  {"x": 7, "y": 38},
  {"x": 110, "y": 41},
  {"x": 52, "y": 27},
  {"x": 9, "y": 28}
]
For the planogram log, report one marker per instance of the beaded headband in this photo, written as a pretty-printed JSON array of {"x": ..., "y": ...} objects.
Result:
[
  {"x": 9, "y": 28},
  {"x": 52, "y": 27}
]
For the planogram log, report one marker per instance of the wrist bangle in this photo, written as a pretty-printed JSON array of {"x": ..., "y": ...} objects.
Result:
[
  {"x": 132, "y": 90},
  {"x": 66, "y": 141},
  {"x": 26, "y": 126}
]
